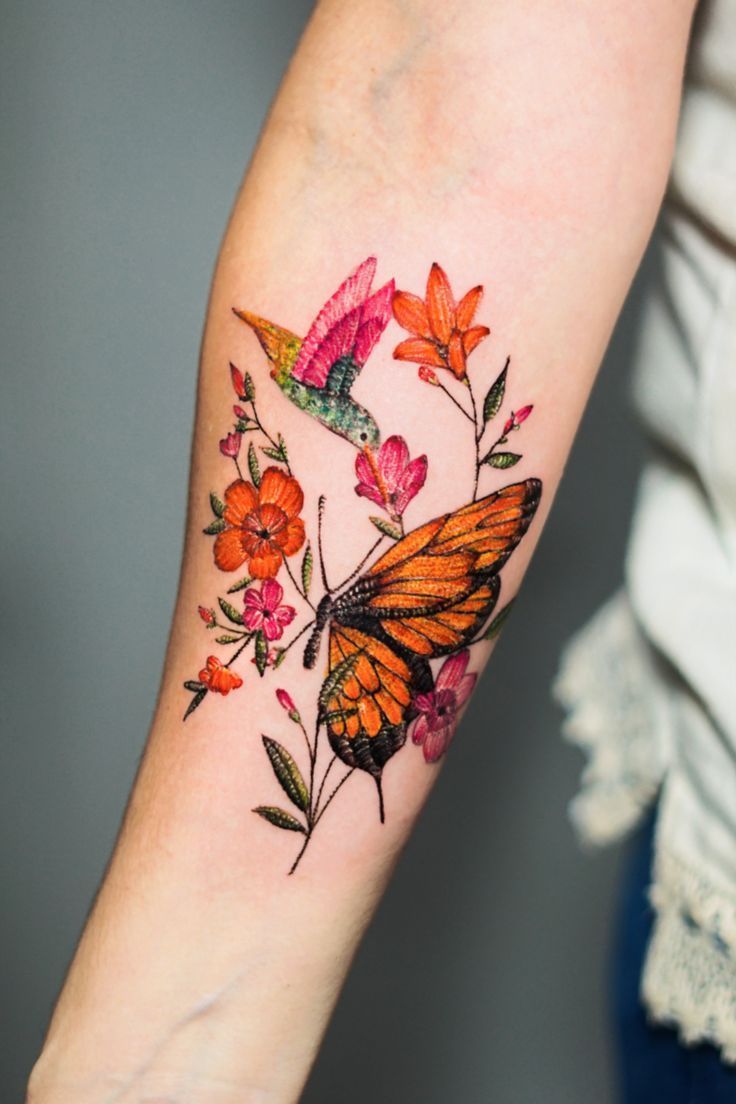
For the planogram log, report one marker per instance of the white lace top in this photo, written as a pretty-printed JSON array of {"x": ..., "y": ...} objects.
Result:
[{"x": 650, "y": 683}]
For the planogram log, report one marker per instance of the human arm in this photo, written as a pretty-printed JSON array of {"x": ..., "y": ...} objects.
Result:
[{"x": 545, "y": 194}]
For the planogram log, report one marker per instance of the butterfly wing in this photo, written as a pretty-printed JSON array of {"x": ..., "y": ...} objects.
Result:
[
  {"x": 365, "y": 697},
  {"x": 427, "y": 596},
  {"x": 432, "y": 592}
]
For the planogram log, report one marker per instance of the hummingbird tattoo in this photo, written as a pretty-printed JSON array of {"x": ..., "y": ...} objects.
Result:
[{"x": 317, "y": 373}]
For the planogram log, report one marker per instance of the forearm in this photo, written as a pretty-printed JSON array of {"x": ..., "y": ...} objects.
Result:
[{"x": 524, "y": 153}]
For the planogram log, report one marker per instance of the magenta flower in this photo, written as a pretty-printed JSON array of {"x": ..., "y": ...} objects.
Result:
[
  {"x": 517, "y": 418},
  {"x": 230, "y": 445},
  {"x": 388, "y": 477},
  {"x": 438, "y": 710},
  {"x": 263, "y": 610}
]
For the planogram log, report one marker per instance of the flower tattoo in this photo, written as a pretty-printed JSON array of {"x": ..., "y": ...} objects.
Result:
[{"x": 395, "y": 638}]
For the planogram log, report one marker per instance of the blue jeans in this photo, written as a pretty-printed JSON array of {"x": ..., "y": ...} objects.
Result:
[{"x": 654, "y": 1066}]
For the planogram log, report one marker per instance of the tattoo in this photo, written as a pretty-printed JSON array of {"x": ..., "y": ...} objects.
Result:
[{"x": 426, "y": 598}]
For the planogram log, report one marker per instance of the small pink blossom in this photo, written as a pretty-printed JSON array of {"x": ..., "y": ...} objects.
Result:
[
  {"x": 438, "y": 710},
  {"x": 517, "y": 418},
  {"x": 286, "y": 702},
  {"x": 388, "y": 477},
  {"x": 230, "y": 445},
  {"x": 263, "y": 610}
]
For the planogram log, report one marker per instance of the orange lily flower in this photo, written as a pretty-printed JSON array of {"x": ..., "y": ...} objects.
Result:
[
  {"x": 443, "y": 334},
  {"x": 262, "y": 526}
]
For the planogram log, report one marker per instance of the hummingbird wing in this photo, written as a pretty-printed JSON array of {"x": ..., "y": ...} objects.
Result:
[{"x": 345, "y": 332}]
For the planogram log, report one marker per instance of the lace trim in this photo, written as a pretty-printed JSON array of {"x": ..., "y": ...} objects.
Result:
[
  {"x": 607, "y": 683},
  {"x": 615, "y": 694},
  {"x": 689, "y": 979}
]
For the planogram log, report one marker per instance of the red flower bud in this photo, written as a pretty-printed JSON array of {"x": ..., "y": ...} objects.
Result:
[
  {"x": 428, "y": 375},
  {"x": 240, "y": 413},
  {"x": 286, "y": 702},
  {"x": 207, "y": 615},
  {"x": 238, "y": 382},
  {"x": 509, "y": 425},
  {"x": 523, "y": 414}
]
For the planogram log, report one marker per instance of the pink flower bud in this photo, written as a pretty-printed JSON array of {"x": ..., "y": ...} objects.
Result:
[
  {"x": 230, "y": 445},
  {"x": 428, "y": 375},
  {"x": 509, "y": 425},
  {"x": 207, "y": 615},
  {"x": 240, "y": 413},
  {"x": 286, "y": 702},
  {"x": 238, "y": 382},
  {"x": 523, "y": 414}
]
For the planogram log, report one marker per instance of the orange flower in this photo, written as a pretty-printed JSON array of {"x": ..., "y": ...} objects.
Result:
[
  {"x": 215, "y": 676},
  {"x": 261, "y": 524},
  {"x": 443, "y": 335}
]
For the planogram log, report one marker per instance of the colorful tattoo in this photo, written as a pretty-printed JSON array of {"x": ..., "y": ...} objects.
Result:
[{"x": 430, "y": 596}]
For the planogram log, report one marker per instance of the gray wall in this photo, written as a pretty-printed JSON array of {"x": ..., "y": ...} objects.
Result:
[{"x": 125, "y": 131}]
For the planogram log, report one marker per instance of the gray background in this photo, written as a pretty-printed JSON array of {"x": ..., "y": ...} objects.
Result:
[{"x": 125, "y": 130}]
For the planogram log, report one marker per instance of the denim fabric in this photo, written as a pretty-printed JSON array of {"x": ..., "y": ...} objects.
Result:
[{"x": 654, "y": 1066}]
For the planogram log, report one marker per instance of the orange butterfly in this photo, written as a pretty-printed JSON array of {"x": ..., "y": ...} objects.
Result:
[{"x": 428, "y": 596}]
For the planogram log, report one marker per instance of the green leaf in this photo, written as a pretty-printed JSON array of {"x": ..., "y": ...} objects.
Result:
[
  {"x": 249, "y": 387},
  {"x": 196, "y": 701},
  {"x": 240, "y": 585},
  {"x": 230, "y": 612},
  {"x": 387, "y": 528},
  {"x": 498, "y": 622},
  {"x": 280, "y": 818},
  {"x": 307, "y": 566},
  {"x": 287, "y": 772},
  {"x": 494, "y": 398},
  {"x": 501, "y": 459},
  {"x": 281, "y": 656},
  {"x": 228, "y": 639},
  {"x": 336, "y": 679},
  {"x": 253, "y": 466},
  {"x": 271, "y": 453},
  {"x": 215, "y": 526},
  {"x": 194, "y": 685},
  {"x": 218, "y": 506},
  {"x": 261, "y": 653}
]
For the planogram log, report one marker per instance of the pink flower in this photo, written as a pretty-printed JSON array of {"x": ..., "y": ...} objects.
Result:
[
  {"x": 230, "y": 445},
  {"x": 438, "y": 710},
  {"x": 388, "y": 477},
  {"x": 286, "y": 702},
  {"x": 517, "y": 418},
  {"x": 263, "y": 610}
]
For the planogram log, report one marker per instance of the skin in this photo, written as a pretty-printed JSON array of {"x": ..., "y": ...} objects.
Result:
[{"x": 449, "y": 132}]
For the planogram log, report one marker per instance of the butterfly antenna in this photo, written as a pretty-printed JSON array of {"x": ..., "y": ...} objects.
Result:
[
  {"x": 320, "y": 515},
  {"x": 381, "y": 811}
]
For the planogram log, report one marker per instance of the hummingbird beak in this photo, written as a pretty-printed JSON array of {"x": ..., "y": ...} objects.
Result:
[{"x": 274, "y": 340}]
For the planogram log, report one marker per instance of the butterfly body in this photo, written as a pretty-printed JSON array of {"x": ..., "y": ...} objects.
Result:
[
  {"x": 317, "y": 373},
  {"x": 428, "y": 596}
]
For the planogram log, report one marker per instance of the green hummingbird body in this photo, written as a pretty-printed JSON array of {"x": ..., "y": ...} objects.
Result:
[{"x": 331, "y": 405}]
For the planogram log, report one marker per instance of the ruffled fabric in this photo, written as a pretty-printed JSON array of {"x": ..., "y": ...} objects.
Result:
[
  {"x": 615, "y": 714},
  {"x": 622, "y": 712}
]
